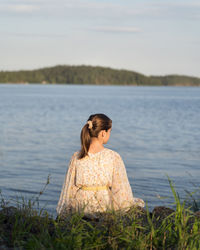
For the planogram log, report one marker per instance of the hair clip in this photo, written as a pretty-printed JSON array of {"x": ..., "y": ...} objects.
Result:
[{"x": 90, "y": 124}]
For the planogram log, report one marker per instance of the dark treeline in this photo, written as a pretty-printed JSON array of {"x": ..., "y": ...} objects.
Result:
[{"x": 67, "y": 74}]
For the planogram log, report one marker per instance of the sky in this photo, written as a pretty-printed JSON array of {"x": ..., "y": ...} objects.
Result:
[{"x": 147, "y": 36}]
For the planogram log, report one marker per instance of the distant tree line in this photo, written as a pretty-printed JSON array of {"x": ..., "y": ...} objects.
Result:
[{"x": 66, "y": 74}]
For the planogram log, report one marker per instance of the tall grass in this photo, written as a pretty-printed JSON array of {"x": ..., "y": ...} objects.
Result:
[{"x": 25, "y": 227}]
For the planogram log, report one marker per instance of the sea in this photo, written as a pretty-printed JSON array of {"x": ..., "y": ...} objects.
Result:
[{"x": 156, "y": 130}]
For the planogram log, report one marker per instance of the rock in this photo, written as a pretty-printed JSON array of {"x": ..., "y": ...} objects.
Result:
[{"x": 160, "y": 213}]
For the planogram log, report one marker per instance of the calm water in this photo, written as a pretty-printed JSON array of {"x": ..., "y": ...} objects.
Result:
[{"x": 156, "y": 130}]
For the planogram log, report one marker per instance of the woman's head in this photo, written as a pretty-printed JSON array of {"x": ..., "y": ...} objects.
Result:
[{"x": 95, "y": 124}]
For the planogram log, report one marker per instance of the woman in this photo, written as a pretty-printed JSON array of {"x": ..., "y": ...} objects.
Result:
[{"x": 96, "y": 180}]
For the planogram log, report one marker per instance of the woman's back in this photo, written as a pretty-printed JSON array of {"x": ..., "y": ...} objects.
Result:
[{"x": 95, "y": 169}]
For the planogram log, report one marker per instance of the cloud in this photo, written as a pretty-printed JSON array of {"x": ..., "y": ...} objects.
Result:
[
  {"x": 18, "y": 8},
  {"x": 35, "y": 35},
  {"x": 117, "y": 29},
  {"x": 88, "y": 9},
  {"x": 105, "y": 12}
]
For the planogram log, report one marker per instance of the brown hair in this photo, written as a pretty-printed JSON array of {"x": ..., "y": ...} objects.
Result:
[{"x": 99, "y": 122}]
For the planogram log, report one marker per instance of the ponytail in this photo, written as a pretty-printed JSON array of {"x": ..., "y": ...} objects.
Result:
[
  {"x": 85, "y": 141},
  {"x": 94, "y": 125}
]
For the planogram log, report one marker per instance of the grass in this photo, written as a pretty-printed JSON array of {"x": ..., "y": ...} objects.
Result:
[{"x": 25, "y": 227}]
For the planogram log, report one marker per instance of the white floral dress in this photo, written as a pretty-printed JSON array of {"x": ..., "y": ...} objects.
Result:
[{"x": 99, "y": 169}]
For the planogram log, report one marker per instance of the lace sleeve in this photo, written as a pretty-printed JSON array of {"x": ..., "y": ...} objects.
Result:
[
  {"x": 69, "y": 189},
  {"x": 121, "y": 190}
]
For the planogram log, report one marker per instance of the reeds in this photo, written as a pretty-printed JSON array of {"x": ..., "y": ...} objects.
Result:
[{"x": 25, "y": 227}]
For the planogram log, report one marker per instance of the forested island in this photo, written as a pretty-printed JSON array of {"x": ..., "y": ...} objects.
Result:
[{"x": 95, "y": 75}]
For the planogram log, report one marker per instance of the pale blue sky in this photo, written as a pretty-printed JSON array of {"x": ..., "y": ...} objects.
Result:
[{"x": 150, "y": 37}]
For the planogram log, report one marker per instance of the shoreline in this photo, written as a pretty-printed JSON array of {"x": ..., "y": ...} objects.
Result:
[
  {"x": 96, "y": 85},
  {"x": 25, "y": 228}
]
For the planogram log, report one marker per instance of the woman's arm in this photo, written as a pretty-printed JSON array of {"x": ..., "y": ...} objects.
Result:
[
  {"x": 69, "y": 189},
  {"x": 121, "y": 190}
]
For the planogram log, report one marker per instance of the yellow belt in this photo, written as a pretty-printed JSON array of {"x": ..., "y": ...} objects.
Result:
[{"x": 94, "y": 188}]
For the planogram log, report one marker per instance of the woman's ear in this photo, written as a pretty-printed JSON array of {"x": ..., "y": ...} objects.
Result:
[
  {"x": 100, "y": 135},
  {"x": 103, "y": 133}
]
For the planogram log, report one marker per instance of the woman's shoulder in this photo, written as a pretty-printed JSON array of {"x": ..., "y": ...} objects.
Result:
[
  {"x": 112, "y": 152},
  {"x": 105, "y": 152},
  {"x": 74, "y": 156}
]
